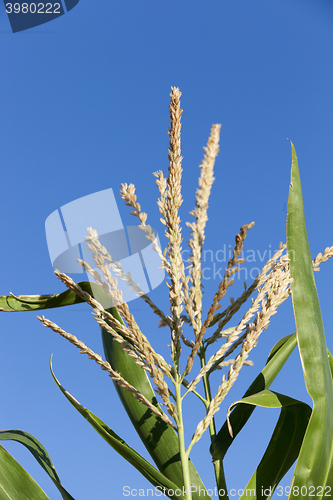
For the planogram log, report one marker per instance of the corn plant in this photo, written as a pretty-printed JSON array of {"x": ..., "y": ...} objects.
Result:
[{"x": 302, "y": 433}]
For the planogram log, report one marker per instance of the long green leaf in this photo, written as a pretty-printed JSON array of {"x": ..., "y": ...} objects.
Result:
[
  {"x": 118, "y": 444},
  {"x": 285, "y": 443},
  {"x": 15, "y": 482},
  {"x": 316, "y": 454},
  {"x": 241, "y": 413},
  {"x": 12, "y": 303},
  {"x": 39, "y": 452},
  {"x": 159, "y": 438},
  {"x": 329, "y": 481}
]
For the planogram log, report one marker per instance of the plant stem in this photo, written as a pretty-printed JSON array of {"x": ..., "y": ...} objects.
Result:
[
  {"x": 218, "y": 464},
  {"x": 183, "y": 455}
]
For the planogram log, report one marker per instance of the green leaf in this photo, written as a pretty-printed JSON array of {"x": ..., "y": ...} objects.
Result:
[
  {"x": 159, "y": 438},
  {"x": 119, "y": 445},
  {"x": 40, "y": 454},
  {"x": 240, "y": 415},
  {"x": 15, "y": 482},
  {"x": 329, "y": 481},
  {"x": 317, "y": 450},
  {"x": 285, "y": 443},
  {"x": 12, "y": 303}
]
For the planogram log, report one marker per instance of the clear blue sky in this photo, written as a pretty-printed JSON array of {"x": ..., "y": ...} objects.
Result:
[{"x": 84, "y": 107}]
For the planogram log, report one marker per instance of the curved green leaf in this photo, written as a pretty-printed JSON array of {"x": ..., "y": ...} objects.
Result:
[
  {"x": 285, "y": 443},
  {"x": 15, "y": 482},
  {"x": 317, "y": 451},
  {"x": 240, "y": 415},
  {"x": 119, "y": 445},
  {"x": 40, "y": 454},
  {"x": 12, "y": 303},
  {"x": 159, "y": 438},
  {"x": 329, "y": 481}
]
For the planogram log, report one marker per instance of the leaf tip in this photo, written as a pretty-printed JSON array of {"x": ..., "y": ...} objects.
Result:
[
  {"x": 228, "y": 422},
  {"x": 230, "y": 428}
]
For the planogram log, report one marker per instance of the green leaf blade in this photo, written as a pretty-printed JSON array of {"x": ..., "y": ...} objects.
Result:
[
  {"x": 118, "y": 444},
  {"x": 317, "y": 451},
  {"x": 241, "y": 413},
  {"x": 23, "y": 303},
  {"x": 159, "y": 438},
  {"x": 15, "y": 482},
  {"x": 40, "y": 454},
  {"x": 285, "y": 443}
]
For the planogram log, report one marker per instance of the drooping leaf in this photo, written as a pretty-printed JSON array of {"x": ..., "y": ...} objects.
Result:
[
  {"x": 12, "y": 303},
  {"x": 241, "y": 413},
  {"x": 159, "y": 438},
  {"x": 119, "y": 445},
  {"x": 39, "y": 452},
  {"x": 317, "y": 450},
  {"x": 285, "y": 443},
  {"x": 15, "y": 482}
]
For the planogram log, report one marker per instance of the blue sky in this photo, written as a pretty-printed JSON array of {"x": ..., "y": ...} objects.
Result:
[{"x": 84, "y": 107}]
